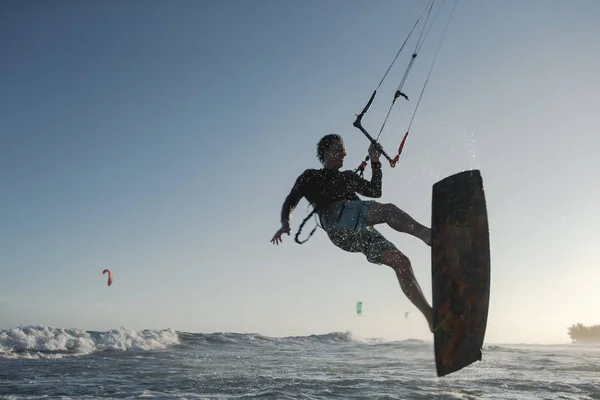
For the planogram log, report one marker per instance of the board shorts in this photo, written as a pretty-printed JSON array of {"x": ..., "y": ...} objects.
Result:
[{"x": 344, "y": 223}]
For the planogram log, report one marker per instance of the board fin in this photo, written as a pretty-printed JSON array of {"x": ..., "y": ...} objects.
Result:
[{"x": 460, "y": 268}]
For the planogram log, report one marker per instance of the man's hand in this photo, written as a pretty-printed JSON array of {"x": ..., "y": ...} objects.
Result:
[
  {"x": 285, "y": 228},
  {"x": 375, "y": 151}
]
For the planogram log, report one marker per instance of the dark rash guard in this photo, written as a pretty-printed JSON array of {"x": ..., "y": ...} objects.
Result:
[{"x": 323, "y": 187}]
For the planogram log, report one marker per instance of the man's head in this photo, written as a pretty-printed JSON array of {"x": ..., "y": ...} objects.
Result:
[{"x": 331, "y": 151}]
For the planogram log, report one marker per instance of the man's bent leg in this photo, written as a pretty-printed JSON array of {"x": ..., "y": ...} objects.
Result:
[
  {"x": 398, "y": 220},
  {"x": 404, "y": 272}
]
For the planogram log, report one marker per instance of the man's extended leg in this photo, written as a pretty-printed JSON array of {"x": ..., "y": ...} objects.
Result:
[
  {"x": 397, "y": 219},
  {"x": 404, "y": 272}
]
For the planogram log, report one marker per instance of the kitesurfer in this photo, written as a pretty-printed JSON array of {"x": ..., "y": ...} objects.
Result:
[{"x": 349, "y": 221}]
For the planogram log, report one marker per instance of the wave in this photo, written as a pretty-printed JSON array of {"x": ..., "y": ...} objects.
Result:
[
  {"x": 38, "y": 341},
  {"x": 492, "y": 348},
  {"x": 232, "y": 338},
  {"x": 259, "y": 339}
]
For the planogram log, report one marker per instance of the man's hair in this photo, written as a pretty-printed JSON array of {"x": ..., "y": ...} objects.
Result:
[{"x": 326, "y": 142}]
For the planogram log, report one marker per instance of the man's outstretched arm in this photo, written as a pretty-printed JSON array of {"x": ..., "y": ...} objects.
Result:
[
  {"x": 289, "y": 204},
  {"x": 293, "y": 198},
  {"x": 371, "y": 188}
]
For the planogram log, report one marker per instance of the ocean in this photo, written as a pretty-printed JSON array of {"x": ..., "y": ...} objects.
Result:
[{"x": 38, "y": 362}]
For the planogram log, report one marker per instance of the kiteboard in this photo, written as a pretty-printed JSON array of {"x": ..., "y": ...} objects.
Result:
[{"x": 460, "y": 268}]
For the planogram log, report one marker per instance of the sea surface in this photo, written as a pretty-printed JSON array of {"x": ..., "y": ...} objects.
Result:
[{"x": 38, "y": 362}]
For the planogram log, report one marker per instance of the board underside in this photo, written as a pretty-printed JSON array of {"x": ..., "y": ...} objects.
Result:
[{"x": 461, "y": 270}]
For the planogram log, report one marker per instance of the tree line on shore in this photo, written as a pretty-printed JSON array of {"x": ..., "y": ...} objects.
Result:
[{"x": 582, "y": 333}]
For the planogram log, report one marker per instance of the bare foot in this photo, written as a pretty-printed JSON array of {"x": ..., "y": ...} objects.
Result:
[
  {"x": 429, "y": 318},
  {"x": 427, "y": 237}
]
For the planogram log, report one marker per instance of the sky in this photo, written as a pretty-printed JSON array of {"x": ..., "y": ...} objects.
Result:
[{"x": 159, "y": 140}]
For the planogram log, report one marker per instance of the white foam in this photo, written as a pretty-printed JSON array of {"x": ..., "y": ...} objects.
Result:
[
  {"x": 130, "y": 339},
  {"x": 48, "y": 342}
]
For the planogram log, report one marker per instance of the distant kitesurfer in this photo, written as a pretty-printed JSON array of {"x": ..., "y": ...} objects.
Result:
[{"x": 349, "y": 221}]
